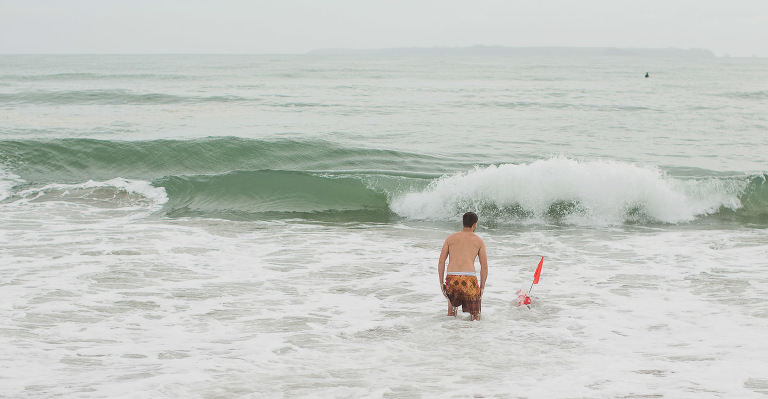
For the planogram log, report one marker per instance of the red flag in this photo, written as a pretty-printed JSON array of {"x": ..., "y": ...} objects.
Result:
[{"x": 538, "y": 271}]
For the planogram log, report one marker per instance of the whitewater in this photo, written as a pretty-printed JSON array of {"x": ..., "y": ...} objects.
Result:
[{"x": 269, "y": 226}]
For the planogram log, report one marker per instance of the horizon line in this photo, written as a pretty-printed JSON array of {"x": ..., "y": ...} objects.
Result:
[{"x": 415, "y": 50}]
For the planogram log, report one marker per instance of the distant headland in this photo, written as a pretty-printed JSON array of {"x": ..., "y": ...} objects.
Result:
[{"x": 530, "y": 51}]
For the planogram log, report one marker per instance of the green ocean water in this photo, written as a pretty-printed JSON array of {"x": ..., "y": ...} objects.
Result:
[
  {"x": 696, "y": 113},
  {"x": 257, "y": 179}
]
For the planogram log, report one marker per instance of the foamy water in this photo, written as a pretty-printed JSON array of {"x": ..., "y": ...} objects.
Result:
[
  {"x": 197, "y": 308},
  {"x": 594, "y": 192}
]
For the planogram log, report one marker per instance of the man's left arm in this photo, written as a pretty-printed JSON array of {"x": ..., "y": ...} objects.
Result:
[{"x": 441, "y": 266}]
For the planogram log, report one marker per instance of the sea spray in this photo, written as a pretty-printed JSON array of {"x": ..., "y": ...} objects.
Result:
[{"x": 560, "y": 189}]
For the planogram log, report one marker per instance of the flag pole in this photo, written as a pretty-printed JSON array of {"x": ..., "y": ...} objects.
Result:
[{"x": 536, "y": 276}]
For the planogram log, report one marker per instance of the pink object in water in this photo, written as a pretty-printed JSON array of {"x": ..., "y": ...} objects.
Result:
[{"x": 523, "y": 299}]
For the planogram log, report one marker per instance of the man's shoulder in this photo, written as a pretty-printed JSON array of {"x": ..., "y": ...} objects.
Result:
[
  {"x": 478, "y": 239},
  {"x": 463, "y": 236},
  {"x": 453, "y": 236}
]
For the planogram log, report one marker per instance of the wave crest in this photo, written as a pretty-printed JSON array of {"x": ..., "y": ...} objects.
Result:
[
  {"x": 271, "y": 194},
  {"x": 570, "y": 191},
  {"x": 112, "y": 194}
]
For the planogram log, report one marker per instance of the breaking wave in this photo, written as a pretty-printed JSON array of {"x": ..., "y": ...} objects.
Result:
[
  {"x": 254, "y": 179},
  {"x": 584, "y": 192}
]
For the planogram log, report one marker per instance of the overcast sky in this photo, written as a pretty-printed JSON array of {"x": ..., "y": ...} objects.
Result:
[{"x": 733, "y": 27}]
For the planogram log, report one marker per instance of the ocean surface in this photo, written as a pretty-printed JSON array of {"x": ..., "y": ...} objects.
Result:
[{"x": 269, "y": 226}]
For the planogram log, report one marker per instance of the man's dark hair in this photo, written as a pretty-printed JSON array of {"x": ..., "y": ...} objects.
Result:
[{"x": 469, "y": 219}]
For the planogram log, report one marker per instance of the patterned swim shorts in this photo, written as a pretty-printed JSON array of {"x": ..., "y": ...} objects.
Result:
[{"x": 464, "y": 291}]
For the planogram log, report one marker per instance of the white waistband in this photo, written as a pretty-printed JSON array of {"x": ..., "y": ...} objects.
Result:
[{"x": 462, "y": 274}]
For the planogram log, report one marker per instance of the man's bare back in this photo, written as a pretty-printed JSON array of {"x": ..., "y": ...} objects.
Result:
[{"x": 461, "y": 249}]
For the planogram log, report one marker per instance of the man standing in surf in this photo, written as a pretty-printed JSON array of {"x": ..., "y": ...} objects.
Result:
[{"x": 460, "y": 286}]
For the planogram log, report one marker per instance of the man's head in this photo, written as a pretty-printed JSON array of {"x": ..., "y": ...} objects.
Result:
[{"x": 469, "y": 219}]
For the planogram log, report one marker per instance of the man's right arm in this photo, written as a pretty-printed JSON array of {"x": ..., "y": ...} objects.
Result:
[{"x": 441, "y": 265}]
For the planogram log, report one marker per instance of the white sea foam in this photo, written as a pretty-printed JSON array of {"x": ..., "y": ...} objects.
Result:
[
  {"x": 212, "y": 308},
  {"x": 7, "y": 181},
  {"x": 589, "y": 192},
  {"x": 112, "y": 193}
]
